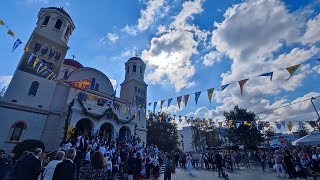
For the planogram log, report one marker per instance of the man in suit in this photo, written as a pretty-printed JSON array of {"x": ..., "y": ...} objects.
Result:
[
  {"x": 66, "y": 169},
  {"x": 30, "y": 167}
]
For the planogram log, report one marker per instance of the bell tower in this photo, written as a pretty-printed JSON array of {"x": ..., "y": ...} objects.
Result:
[
  {"x": 34, "y": 81},
  {"x": 133, "y": 88}
]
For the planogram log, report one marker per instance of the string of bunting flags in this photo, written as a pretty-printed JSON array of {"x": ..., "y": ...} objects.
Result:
[
  {"x": 237, "y": 123},
  {"x": 11, "y": 33},
  {"x": 291, "y": 70}
]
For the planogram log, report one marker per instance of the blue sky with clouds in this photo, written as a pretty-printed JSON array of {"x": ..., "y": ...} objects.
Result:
[{"x": 190, "y": 46}]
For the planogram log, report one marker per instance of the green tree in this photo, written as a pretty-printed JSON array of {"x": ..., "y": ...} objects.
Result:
[
  {"x": 212, "y": 138},
  {"x": 268, "y": 134},
  {"x": 302, "y": 131},
  {"x": 162, "y": 131},
  {"x": 249, "y": 136}
]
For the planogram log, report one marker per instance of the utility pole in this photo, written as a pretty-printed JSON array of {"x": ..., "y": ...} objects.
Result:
[{"x": 313, "y": 98}]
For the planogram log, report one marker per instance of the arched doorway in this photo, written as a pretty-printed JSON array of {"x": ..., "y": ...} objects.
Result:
[
  {"x": 84, "y": 126},
  {"x": 125, "y": 133},
  {"x": 106, "y": 132}
]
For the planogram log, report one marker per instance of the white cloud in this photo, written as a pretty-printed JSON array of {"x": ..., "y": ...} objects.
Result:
[
  {"x": 212, "y": 57},
  {"x": 5, "y": 80},
  {"x": 129, "y": 52},
  {"x": 113, "y": 82},
  {"x": 169, "y": 56},
  {"x": 316, "y": 69},
  {"x": 148, "y": 15},
  {"x": 129, "y": 30},
  {"x": 172, "y": 109},
  {"x": 312, "y": 34},
  {"x": 112, "y": 37}
]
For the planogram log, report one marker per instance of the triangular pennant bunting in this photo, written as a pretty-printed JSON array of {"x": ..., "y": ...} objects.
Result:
[
  {"x": 292, "y": 70},
  {"x": 10, "y": 33},
  {"x": 35, "y": 63},
  {"x": 186, "y": 98},
  {"x": 16, "y": 44},
  {"x": 1, "y": 22},
  {"x": 238, "y": 124},
  {"x": 278, "y": 125},
  {"x": 224, "y": 87},
  {"x": 169, "y": 101},
  {"x": 210, "y": 92},
  {"x": 154, "y": 106},
  {"x": 161, "y": 103},
  {"x": 179, "y": 101},
  {"x": 241, "y": 84},
  {"x": 268, "y": 74},
  {"x": 290, "y": 125},
  {"x": 197, "y": 95},
  {"x": 283, "y": 123},
  {"x": 230, "y": 123}
]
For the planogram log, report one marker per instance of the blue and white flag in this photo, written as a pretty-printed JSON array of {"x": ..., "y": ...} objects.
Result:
[
  {"x": 16, "y": 44},
  {"x": 224, "y": 86},
  {"x": 197, "y": 95},
  {"x": 169, "y": 102},
  {"x": 268, "y": 74}
]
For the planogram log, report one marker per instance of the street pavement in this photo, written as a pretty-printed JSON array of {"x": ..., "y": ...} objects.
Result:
[{"x": 255, "y": 173}]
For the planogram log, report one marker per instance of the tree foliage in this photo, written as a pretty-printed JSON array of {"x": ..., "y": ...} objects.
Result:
[
  {"x": 162, "y": 132},
  {"x": 249, "y": 136}
]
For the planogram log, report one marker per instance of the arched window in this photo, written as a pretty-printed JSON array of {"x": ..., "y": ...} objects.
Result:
[
  {"x": 33, "y": 88},
  {"x": 58, "y": 24},
  {"x": 46, "y": 20},
  {"x": 93, "y": 83},
  {"x": 65, "y": 75},
  {"x": 67, "y": 32},
  {"x": 96, "y": 87},
  {"x": 17, "y": 131},
  {"x": 140, "y": 69},
  {"x": 127, "y": 69},
  {"x": 134, "y": 68}
]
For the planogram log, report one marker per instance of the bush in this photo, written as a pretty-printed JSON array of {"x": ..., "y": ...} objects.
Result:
[{"x": 27, "y": 145}]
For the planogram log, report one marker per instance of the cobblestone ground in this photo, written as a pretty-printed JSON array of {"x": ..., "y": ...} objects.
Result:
[{"x": 255, "y": 173}]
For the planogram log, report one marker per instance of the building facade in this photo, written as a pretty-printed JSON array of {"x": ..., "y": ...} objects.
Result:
[{"x": 41, "y": 103}]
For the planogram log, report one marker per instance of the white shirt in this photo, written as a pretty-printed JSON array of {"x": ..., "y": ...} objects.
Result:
[
  {"x": 49, "y": 170},
  {"x": 94, "y": 146},
  {"x": 109, "y": 165}
]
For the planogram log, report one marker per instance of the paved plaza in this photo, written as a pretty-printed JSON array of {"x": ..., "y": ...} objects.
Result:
[{"x": 239, "y": 174}]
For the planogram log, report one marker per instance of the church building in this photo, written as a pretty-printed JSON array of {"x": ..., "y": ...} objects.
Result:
[{"x": 50, "y": 96}]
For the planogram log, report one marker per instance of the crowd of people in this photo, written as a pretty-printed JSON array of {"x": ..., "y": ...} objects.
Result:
[{"x": 88, "y": 159}]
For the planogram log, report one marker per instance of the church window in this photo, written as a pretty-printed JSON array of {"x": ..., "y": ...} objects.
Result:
[
  {"x": 67, "y": 32},
  {"x": 96, "y": 87},
  {"x": 93, "y": 83},
  {"x": 65, "y": 75},
  {"x": 127, "y": 69},
  {"x": 33, "y": 88},
  {"x": 140, "y": 70},
  {"x": 17, "y": 131},
  {"x": 135, "y": 89},
  {"x": 138, "y": 91},
  {"x": 58, "y": 24},
  {"x": 134, "y": 68},
  {"x": 46, "y": 20}
]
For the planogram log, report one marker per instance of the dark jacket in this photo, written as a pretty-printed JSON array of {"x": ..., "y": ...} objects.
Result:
[
  {"x": 29, "y": 167},
  {"x": 64, "y": 171},
  {"x": 5, "y": 167}
]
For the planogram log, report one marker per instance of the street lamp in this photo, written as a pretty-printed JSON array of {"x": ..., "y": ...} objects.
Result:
[{"x": 313, "y": 98}]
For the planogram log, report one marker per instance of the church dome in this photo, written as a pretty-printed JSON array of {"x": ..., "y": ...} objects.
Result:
[{"x": 73, "y": 63}]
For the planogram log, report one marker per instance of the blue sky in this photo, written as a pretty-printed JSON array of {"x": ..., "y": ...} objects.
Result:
[{"x": 190, "y": 46}]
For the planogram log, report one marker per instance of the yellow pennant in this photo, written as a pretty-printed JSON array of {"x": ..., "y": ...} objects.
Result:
[
  {"x": 230, "y": 123},
  {"x": 10, "y": 33},
  {"x": 26, "y": 49},
  {"x": 51, "y": 74},
  {"x": 292, "y": 70},
  {"x": 1, "y": 22},
  {"x": 290, "y": 125},
  {"x": 36, "y": 62},
  {"x": 42, "y": 69}
]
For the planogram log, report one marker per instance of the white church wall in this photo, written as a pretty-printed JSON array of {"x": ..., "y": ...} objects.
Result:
[{"x": 35, "y": 123}]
